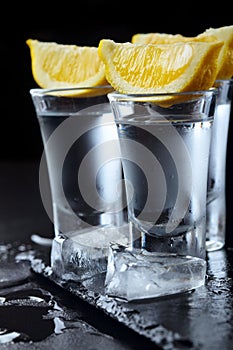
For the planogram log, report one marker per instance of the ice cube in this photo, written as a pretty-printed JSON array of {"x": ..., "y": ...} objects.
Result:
[
  {"x": 84, "y": 254},
  {"x": 139, "y": 274}
]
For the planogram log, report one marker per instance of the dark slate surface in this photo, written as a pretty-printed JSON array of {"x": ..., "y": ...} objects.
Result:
[
  {"x": 39, "y": 312},
  {"x": 201, "y": 319},
  {"x": 35, "y": 313}
]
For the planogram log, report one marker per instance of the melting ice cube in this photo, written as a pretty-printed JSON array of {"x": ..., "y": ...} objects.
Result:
[
  {"x": 84, "y": 254},
  {"x": 138, "y": 274}
]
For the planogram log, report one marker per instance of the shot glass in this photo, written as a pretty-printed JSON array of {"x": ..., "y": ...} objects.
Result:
[
  {"x": 82, "y": 158},
  {"x": 165, "y": 152},
  {"x": 216, "y": 191}
]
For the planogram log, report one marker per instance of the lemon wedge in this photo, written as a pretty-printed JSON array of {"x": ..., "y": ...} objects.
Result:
[
  {"x": 160, "y": 68},
  {"x": 225, "y": 34},
  {"x": 58, "y": 66}
]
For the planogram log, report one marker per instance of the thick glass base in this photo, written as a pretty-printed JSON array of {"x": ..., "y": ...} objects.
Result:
[
  {"x": 212, "y": 245},
  {"x": 215, "y": 223},
  {"x": 84, "y": 253},
  {"x": 190, "y": 241},
  {"x": 138, "y": 274}
]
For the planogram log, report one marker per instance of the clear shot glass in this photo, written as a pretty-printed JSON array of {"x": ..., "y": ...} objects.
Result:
[
  {"x": 165, "y": 153},
  {"x": 216, "y": 191},
  {"x": 82, "y": 159}
]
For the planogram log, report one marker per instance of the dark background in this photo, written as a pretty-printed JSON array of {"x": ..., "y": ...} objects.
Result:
[
  {"x": 82, "y": 23},
  {"x": 79, "y": 23}
]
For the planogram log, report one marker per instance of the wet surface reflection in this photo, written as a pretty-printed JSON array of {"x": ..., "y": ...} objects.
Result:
[
  {"x": 35, "y": 313},
  {"x": 27, "y": 312},
  {"x": 33, "y": 310}
]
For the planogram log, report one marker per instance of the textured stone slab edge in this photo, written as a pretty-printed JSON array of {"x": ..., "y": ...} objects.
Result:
[{"x": 162, "y": 337}]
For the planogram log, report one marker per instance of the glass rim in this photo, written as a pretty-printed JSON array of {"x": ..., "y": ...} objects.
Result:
[
  {"x": 117, "y": 94},
  {"x": 224, "y": 80},
  {"x": 41, "y": 91},
  {"x": 221, "y": 83}
]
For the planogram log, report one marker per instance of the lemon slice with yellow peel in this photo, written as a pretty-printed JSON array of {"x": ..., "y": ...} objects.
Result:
[
  {"x": 224, "y": 34},
  {"x": 160, "y": 68},
  {"x": 58, "y": 66}
]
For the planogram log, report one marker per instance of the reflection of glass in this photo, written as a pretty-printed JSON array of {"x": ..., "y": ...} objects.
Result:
[
  {"x": 216, "y": 201},
  {"x": 82, "y": 154},
  {"x": 165, "y": 152}
]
